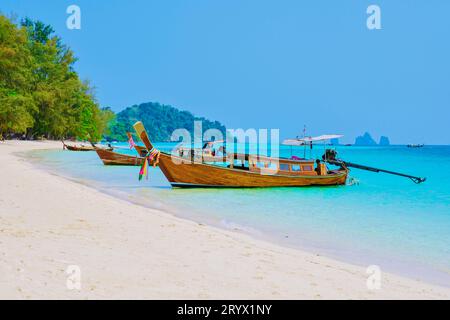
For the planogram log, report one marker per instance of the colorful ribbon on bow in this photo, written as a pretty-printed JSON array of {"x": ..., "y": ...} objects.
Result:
[
  {"x": 131, "y": 142},
  {"x": 152, "y": 155}
]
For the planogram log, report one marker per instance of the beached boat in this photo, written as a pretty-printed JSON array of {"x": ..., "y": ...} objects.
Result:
[
  {"x": 253, "y": 170},
  {"x": 112, "y": 158},
  {"x": 82, "y": 147},
  {"x": 77, "y": 148}
]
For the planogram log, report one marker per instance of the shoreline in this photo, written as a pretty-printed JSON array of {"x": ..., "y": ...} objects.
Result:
[
  {"x": 405, "y": 267},
  {"x": 125, "y": 250}
]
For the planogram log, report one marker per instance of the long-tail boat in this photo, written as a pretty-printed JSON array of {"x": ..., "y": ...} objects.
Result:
[
  {"x": 254, "y": 171},
  {"x": 82, "y": 147},
  {"x": 77, "y": 148},
  {"x": 111, "y": 158}
]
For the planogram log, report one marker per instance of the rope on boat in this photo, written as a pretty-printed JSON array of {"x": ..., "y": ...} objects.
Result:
[{"x": 151, "y": 158}]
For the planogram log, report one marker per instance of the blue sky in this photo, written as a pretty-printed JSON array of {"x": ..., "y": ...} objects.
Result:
[{"x": 269, "y": 64}]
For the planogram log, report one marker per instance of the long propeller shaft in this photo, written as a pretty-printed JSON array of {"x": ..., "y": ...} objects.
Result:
[{"x": 363, "y": 167}]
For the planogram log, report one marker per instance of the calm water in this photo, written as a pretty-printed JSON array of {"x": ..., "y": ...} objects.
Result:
[{"x": 383, "y": 220}]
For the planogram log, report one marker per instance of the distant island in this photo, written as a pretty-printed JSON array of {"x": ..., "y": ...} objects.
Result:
[
  {"x": 384, "y": 141},
  {"x": 160, "y": 121},
  {"x": 367, "y": 140}
]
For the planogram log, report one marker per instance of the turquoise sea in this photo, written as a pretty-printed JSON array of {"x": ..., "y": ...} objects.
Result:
[{"x": 382, "y": 220}]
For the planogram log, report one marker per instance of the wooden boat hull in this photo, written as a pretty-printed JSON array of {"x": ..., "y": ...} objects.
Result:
[
  {"x": 190, "y": 175},
  {"x": 74, "y": 148},
  {"x": 83, "y": 148},
  {"x": 111, "y": 158}
]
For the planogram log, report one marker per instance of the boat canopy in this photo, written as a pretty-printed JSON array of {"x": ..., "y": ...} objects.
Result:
[{"x": 307, "y": 140}]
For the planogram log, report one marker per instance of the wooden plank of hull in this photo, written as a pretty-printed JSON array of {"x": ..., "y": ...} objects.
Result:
[
  {"x": 117, "y": 159},
  {"x": 204, "y": 175}
]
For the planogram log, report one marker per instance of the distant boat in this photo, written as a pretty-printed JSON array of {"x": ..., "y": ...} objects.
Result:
[{"x": 415, "y": 145}]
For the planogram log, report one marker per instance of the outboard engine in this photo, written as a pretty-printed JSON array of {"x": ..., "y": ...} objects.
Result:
[{"x": 329, "y": 155}]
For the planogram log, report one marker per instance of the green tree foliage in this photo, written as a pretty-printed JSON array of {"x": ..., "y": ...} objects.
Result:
[
  {"x": 40, "y": 93},
  {"x": 16, "y": 101},
  {"x": 160, "y": 121}
]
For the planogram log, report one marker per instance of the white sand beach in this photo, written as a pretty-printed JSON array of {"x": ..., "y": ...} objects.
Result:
[{"x": 125, "y": 251}]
